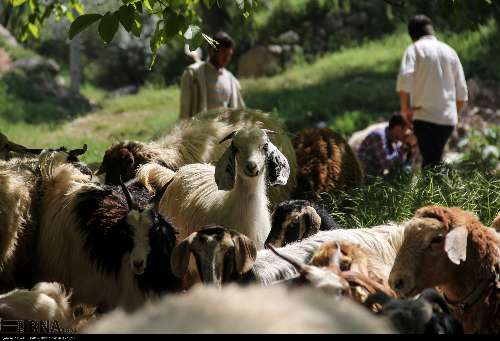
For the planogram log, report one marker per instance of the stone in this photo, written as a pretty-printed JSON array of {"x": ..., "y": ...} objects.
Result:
[{"x": 260, "y": 61}]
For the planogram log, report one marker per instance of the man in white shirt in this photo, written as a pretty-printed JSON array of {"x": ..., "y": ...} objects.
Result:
[
  {"x": 209, "y": 85},
  {"x": 432, "y": 79}
]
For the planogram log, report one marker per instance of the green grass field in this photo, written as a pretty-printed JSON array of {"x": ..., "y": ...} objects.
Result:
[{"x": 347, "y": 89}]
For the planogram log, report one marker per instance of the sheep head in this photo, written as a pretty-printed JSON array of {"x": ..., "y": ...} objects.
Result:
[
  {"x": 49, "y": 159},
  {"x": 251, "y": 154},
  {"x": 327, "y": 279},
  {"x": 293, "y": 221},
  {"x": 221, "y": 255},
  {"x": 435, "y": 245}
]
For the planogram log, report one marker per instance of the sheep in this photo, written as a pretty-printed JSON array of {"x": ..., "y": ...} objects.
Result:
[
  {"x": 231, "y": 194},
  {"x": 426, "y": 314},
  {"x": 196, "y": 141},
  {"x": 112, "y": 250},
  {"x": 496, "y": 223},
  {"x": 325, "y": 161},
  {"x": 294, "y": 220},
  {"x": 47, "y": 302},
  {"x": 19, "y": 211},
  {"x": 451, "y": 249},
  {"x": 252, "y": 309},
  {"x": 340, "y": 269},
  {"x": 383, "y": 241},
  {"x": 221, "y": 255},
  {"x": 7, "y": 147}
]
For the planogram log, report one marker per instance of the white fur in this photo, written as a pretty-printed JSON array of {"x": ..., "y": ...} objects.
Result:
[
  {"x": 383, "y": 241},
  {"x": 250, "y": 309},
  {"x": 141, "y": 224}
]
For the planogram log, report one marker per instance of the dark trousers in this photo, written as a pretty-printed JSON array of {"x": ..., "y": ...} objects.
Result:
[{"x": 431, "y": 140}]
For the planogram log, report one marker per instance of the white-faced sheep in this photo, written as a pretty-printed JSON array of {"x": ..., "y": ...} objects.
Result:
[
  {"x": 325, "y": 161},
  {"x": 8, "y": 147},
  {"x": 231, "y": 194},
  {"x": 251, "y": 309},
  {"x": 294, "y": 220},
  {"x": 451, "y": 249},
  {"x": 19, "y": 209},
  {"x": 47, "y": 302},
  {"x": 196, "y": 141},
  {"x": 221, "y": 255},
  {"x": 111, "y": 250},
  {"x": 426, "y": 314}
]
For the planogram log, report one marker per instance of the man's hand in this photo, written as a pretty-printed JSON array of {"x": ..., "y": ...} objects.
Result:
[{"x": 406, "y": 111}]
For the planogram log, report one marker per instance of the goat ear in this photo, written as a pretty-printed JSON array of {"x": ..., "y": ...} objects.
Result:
[
  {"x": 225, "y": 171},
  {"x": 245, "y": 253},
  {"x": 455, "y": 244},
  {"x": 278, "y": 169},
  {"x": 180, "y": 256}
]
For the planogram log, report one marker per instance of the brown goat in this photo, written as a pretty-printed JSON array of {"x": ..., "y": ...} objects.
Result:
[
  {"x": 325, "y": 161},
  {"x": 496, "y": 223},
  {"x": 451, "y": 249}
]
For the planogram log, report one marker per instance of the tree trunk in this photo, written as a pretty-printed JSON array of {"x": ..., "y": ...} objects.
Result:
[{"x": 75, "y": 64}]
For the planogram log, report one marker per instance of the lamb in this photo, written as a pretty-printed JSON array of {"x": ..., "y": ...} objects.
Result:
[
  {"x": 325, "y": 161},
  {"x": 8, "y": 147},
  {"x": 231, "y": 194},
  {"x": 19, "y": 211},
  {"x": 451, "y": 249},
  {"x": 427, "y": 314},
  {"x": 294, "y": 220},
  {"x": 196, "y": 141},
  {"x": 109, "y": 246},
  {"x": 221, "y": 255},
  {"x": 252, "y": 309},
  {"x": 44, "y": 302}
]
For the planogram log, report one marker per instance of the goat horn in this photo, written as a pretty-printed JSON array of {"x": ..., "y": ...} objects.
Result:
[
  {"x": 270, "y": 132},
  {"x": 297, "y": 264},
  {"x": 228, "y": 137},
  {"x": 132, "y": 205},
  {"x": 377, "y": 298},
  {"x": 76, "y": 152},
  {"x": 433, "y": 297}
]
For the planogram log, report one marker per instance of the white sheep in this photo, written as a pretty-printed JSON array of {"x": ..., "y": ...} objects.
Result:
[
  {"x": 251, "y": 309},
  {"x": 111, "y": 250},
  {"x": 231, "y": 194}
]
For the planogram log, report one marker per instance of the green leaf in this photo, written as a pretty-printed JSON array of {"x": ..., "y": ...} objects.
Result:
[
  {"x": 149, "y": 4},
  {"x": 174, "y": 24},
  {"x": 126, "y": 14},
  {"x": 108, "y": 26},
  {"x": 194, "y": 36},
  {"x": 34, "y": 30},
  {"x": 16, "y": 3},
  {"x": 70, "y": 16},
  {"x": 137, "y": 25},
  {"x": 32, "y": 5},
  {"x": 79, "y": 8},
  {"x": 81, "y": 23}
]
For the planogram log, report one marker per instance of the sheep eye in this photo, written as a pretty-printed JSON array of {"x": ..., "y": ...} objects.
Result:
[{"x": 437, "y": 239}]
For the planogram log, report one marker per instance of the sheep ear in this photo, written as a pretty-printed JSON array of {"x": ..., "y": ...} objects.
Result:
[
  {"x": 455, "y": 244},
  {"x": 245, "y": 253},
  {"x": 278, "y": 169},
  {"x": 225, "y": 171},
  {"x": 180, "y": 256}
]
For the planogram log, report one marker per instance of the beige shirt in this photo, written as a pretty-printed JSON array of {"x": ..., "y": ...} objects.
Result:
[{"x": 433, "y": 75}]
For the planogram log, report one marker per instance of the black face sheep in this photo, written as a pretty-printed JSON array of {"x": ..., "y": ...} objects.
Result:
[
  {"x": 195, "y": 141},
  {"x": 294, "y": 220},
  {"x": 426, "y": 314},
  {"x": 231, "y": 194},
  {"x": 19, "y": 209},
  {"x": 325, "y": 161},
  {"x": 451, "y": 249},
  {"x": 112, "y": 250},
  {"x": 221, "y": 255}
]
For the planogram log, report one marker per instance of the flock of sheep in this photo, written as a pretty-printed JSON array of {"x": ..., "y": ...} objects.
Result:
[{"x": 212, "y": 228}]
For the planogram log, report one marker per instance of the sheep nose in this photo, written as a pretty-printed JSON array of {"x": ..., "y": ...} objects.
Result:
[
  {"x": 138, "y": 264},
  {"x": 251, "y": 167}
]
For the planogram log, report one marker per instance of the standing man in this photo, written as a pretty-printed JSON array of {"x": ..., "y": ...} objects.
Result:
[
  {"x": 209, "y": 85},
  {"x": 432, "y": 79}
]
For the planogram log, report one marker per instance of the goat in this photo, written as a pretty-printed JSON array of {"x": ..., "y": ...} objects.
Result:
[
  {"x": 427, "y": 314},
  {"x": 253, "y": 309},
  {"x": 19, "y": 210},
  {"x": 325, "y": 161},
  {"x": 221, "y": 255},
  {"x": 44, "y": 302},
  {"x": 112, "y": 250},
  {"x": 294, "y": 220},
  {"x": 196, "y": 141},
  {"x": 231, "y": 194},
  {"x": 451, "y": 249},
  {"x": 7, "y": 147}
]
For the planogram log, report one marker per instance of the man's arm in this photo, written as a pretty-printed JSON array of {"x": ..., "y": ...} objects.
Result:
[
  {"x": 460, "y": 106},
  {"x": 404, "y": 102}
]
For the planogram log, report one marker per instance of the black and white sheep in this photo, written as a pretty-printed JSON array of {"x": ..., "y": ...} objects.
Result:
[
  {"x": 196, "y": 141},
  {"x": 112, "y": 250}
]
